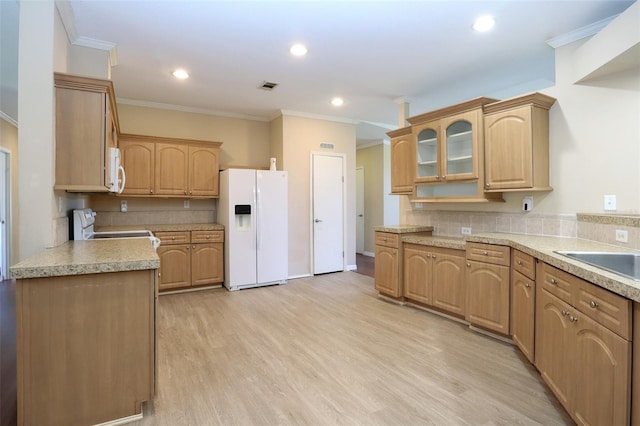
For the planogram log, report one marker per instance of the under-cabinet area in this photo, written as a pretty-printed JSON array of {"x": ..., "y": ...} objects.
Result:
[{"x": 575, "y": 323}]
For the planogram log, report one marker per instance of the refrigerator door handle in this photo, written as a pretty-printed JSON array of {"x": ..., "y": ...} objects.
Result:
[{"x": 258, "y": 224}]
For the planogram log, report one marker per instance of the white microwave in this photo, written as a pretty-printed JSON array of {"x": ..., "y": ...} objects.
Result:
[{"x": 116, "y": 176}]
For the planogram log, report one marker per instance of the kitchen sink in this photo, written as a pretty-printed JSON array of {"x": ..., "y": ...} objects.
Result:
[{"x": 625, "y": 264}]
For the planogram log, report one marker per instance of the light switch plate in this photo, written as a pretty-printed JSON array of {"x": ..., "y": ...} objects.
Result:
[
  {"x": 186, "y": 204},
  {"x": 465, "y": 230},
  {"x": 123, "y": 206}
]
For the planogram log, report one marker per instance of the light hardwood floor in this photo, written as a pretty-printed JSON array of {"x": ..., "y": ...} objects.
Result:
[{"x": 326, "y": 351}]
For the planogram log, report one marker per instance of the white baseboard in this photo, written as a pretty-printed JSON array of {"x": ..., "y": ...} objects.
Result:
[
  {"x": 368, "y": 253},
  {"x": 352, "y": 268},
  {"x": 293, "y": 277}
]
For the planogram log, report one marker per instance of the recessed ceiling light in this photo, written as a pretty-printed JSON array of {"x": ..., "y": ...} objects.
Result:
[
  {"x": 484, "y": 23},
  {"x": 180, "y": 74},
  {"x": 337, "y": 102},
  {"x": 298, "y": 49}
]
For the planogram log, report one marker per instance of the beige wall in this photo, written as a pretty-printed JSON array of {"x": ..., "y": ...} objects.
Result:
[
  {"x": 89, "y": 62},
  {"x": 277, "y": 148},
  {"x": 9, "y": 144},
  {"x": 244, "y": 142},
  {"x": 301, "y": 137},
  {"x": 371, "y": 159}
]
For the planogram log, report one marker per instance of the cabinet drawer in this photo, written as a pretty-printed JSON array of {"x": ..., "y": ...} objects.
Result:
[
  {"x": 173, "y": 237},
  {"x": 488, "y": 253},
  {"x": 523, "y": 263},
  {"x": 606, "y": 308},
  {"x": 207, "y": 237},
  {"x": 387, "y": 239},
  {"x": 557, "y": 282}
]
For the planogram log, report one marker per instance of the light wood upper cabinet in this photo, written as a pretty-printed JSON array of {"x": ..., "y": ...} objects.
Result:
[
  {"x": 172, "y": 169},
  {"x": 402, "y": 160},
  {"x": 202, "y": 160},
  {"x": 138, "y": 159},
  {"x": 516, "y": 144},
  {"x": 86, "y": 125}
]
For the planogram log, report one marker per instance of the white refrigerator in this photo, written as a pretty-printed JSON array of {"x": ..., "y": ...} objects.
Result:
[{"x": 253, "y": 208}]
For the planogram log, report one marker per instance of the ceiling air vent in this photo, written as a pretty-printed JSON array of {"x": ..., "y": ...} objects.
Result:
[{"x": 267, "y": 85}]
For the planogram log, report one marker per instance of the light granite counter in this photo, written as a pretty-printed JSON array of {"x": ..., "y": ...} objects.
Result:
[
  {"x": 542, "y": 248},
  {"x": 433, "y": 241},
  {"x": 403, "y": 229},
  {"x": 165, "y": 227},
  {"x": 89, "y": 257}
]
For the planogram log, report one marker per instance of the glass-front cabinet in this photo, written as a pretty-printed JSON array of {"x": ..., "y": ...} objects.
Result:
[{"x": 427, "y": 154}]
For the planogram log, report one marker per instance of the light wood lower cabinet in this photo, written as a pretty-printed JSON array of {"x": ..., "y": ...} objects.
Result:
[
  {"x": 488, "y": 286},
  {"x": 190, "y": 258},
  {"x": 635, "y": 390},
  {"x": 434, "y": 276},
  {"x": 86, "y": 347},
  {"x": 586, "y": 365},
  {"x": 523, "y": 297}
]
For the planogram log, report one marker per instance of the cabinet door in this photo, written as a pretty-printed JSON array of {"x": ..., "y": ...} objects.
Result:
[
  {"x": 459, "y": 155},
  {"x": 523, "y": 313},
  {"x": 554, "y": 353},
  {"x": 417, "y": 273},
  {"x": 138, "y": 159},
  {"x": 80, "y": 140},
  {"x": 206, "y": 264},
  {"x": 488, "y": 296},
  {"x": 402, "y": 161},
  {"x": 602, "y": 374},
  {"x": 386, "y": 271},
  {"x": 171, "y": 171},
  {"x": 175, "y": 266},
  {"x": 449, "y": 289},
  {"x": 508, "y": 149},
  {"x": 203, "y": 171},
  {"x": 427, "y": 152}
]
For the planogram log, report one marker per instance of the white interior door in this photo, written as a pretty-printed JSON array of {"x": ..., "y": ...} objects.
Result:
[
  {"x": 328, "y": 213},
  {"x": 4, "y": 213},
  {"x": 360, "y": 210}
]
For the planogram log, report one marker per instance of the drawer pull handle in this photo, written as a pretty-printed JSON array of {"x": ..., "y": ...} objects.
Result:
[
  {"x": 519, "y": 262},
  {"x": 173, "y": 238},
  {"x": 553, "y": 281},
  {"x": 565, "y": 313},
  {"x": 593, "y": 304},
  {"x": 573, "y": 319}
]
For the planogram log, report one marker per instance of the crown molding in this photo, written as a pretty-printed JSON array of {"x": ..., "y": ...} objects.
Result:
[
  {"x": 69, "y": 22},
  {"x": 8, "y": 119},
  {"x": 402, "y": 100},
  {"x": 181, "y": 108},
  {"x": 580, "y": 33},
  {"x": 369, "y": 144},
  {"x": 284, "y": 112}
]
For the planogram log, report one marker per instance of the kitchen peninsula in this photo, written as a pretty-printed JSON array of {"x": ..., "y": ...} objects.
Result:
[{"x": 86, "y": 332}]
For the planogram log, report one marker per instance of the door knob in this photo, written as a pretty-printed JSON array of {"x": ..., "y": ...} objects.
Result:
[
  {"x": 360, "y": 215},
  {"x": 318, "y": 220}
]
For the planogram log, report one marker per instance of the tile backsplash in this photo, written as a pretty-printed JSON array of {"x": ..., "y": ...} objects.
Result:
[{"x": 595, "y": 227}]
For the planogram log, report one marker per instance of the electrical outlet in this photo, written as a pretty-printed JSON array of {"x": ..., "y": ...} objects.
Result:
[
  {"x": 622, "y": 235},
  {"x": 186, "y": 204},
  {"x": 465, "y": 230},
  {"x": 123, "y": 206},
  {"x": 609, "y": 202}
]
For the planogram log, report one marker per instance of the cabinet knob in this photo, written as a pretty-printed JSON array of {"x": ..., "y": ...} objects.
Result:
[
  {"x": 485, "y": 253},
  {"x": 468, "y": 265},
  {"x": 519, "y": 262},
  {"x": 433, "y": 256},
  {"x": 151, "y": 191},
  {"x": 437, "y": 177},
  {"x": 553, "y": 281},
  {"x": 573, "y": 319},
  {"x": 193, "y": 246},
  {"x": 428, "y": 255},
  {"x": 185, "y": 192},
  {"x": 187, "y": 247},
  {"x": 486, "y": 185},
  {"x": 444, "y": 177},
  {"x": 565, "y": 313},
  {"x": 527, "y": 285},
  {"x": 173, "y": 238},
  {"x": 208, "y": 236},
  {"x": 593, "y": 304},
  {"x": 190, "y": 192}
]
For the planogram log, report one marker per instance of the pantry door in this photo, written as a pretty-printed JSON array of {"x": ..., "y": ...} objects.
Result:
[{"x": 328, "y": 212}]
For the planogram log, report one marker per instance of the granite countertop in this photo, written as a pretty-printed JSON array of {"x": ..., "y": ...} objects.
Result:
[
  {"x": 542, "y": 248},
  {"x": 165, "y": 227},
  {"x": 403, "y": 229},
  {"x": 89, "y": 257},
  {"x": 445, "y": 242}
]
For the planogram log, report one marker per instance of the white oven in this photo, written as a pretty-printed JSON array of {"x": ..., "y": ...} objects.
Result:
[{"x": 83, "y": 220}]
